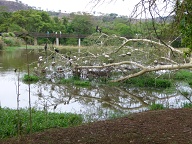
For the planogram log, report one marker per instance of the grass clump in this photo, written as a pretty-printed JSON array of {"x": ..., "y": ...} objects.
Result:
[
  {"x": 82, "y": 83},
  {"x": 155, "y": 106},
  {"x": 30, "y": 78},
  {"x": 190, "y": 83},
  {"x": 149, "y": 82},
  {"x": 187, "y": 105},
  {"x": 41, "y": 120},
  {"x": 183, "y": 75}
]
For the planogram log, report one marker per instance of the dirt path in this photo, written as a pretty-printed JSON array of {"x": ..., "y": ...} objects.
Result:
[{"x": 151, "y": 127}]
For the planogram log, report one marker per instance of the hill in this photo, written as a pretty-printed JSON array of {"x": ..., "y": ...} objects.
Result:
[{"x": 11, "y": 6}]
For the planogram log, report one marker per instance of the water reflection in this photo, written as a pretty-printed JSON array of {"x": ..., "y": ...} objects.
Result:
[{"x": 92, "y": 101}]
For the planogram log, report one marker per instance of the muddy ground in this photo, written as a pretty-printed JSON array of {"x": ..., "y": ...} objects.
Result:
[{"x": 173, "y": 126}]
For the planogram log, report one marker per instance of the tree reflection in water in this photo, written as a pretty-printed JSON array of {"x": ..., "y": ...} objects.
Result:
[{"x": 103, "y": 99}]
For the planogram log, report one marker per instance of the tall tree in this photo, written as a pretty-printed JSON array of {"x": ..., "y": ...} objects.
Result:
[
  {"x": 183, "y": 20},
  {"x": 82, "y": 24}
]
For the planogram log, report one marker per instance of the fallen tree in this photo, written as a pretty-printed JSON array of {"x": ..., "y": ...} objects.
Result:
[{"x": 116, "y": 63}]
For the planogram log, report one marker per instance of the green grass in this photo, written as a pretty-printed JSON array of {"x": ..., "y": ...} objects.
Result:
[
  {"x": 155, "y": 106},
  {"x": 190, "y": 83},
  {"x": 187, "y": 105},
  {"x": 149, "y": 82},
  {"x": 30, "y": 78},
  {"x": 40, "y": 121},
  {"x": 183, "y": 75},
  {"x": 13, "y": 48}
]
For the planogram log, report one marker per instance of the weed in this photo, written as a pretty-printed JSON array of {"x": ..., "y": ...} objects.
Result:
[
  {"x": 30, "y": 78},
  {"x": 187, "y": 105}
]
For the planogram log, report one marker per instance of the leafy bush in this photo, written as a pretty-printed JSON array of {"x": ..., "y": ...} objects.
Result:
[
  {"x": 1, "y": 44},
  {"x": 5, "y": 34},
  {"x": 11, "y": 34},
  {"x": 12, "y": 41},
  {"x": 8, "y": 41}
]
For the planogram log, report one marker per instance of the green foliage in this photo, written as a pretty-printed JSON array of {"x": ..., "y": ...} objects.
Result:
[
  {"x": 190, "y": 83},
  {"x": 123, "y": 29},
  {"x": 9, "y": 34},
  {"x": 82, "y": 24},
  {"x": 71, "y": 41},
  {"x": 41, "y": 21},
  {"x": 2, "y": 44},
  {"x": 183, "y": 75},
  {"x": 30, "y": 78},
  {"x": 183, "y": 18},
  {"x": 12, "y": 41},
  {"x": 82, "y": 83},
  {"x": 155, "y": 106},
  {"x": 41, "y": 120},
  {"x": 187, "y": 105},
  {"x": 143, "y": 81}
]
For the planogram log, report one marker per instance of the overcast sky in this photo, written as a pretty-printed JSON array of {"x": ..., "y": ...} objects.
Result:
[{"x": 121, "y": 7}]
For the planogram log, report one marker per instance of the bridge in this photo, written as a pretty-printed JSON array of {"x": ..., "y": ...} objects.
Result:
[
  {"x": 52, "y": 35},
  {"x": 36, "y": 35}
]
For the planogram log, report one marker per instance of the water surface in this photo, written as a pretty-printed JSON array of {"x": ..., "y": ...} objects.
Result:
[{"x": 95, "y": 101}]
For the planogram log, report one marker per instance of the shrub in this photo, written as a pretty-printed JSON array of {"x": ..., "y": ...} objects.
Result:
[
  {"x": 8, "y": 41},
  {"x": 5, "y": 34},
  {"x": 11, "y": 34},
  {"x": 2, "y": 44},
  {"x": 12, "y": 41}
]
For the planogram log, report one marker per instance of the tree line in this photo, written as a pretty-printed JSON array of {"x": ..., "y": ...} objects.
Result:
[{"x": 42, "y": 22}]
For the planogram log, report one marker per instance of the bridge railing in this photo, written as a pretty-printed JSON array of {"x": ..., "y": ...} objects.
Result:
[{"x": 52, "y": 35}]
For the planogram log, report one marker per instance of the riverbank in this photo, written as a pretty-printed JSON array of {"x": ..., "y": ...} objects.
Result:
[{"x": 170, "y": 126}]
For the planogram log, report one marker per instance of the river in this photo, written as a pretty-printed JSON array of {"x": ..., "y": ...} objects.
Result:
[{"x": 97, "y": 101}]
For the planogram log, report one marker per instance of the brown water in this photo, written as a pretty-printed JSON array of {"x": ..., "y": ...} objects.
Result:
[{"x": 96, "y": 101}]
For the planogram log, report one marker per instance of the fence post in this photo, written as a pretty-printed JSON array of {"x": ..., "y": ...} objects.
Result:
[{"x": 35, "y": 41}]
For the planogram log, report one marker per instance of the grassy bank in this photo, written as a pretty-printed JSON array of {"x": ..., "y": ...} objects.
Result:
[{"x": 41, "y": 120}]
